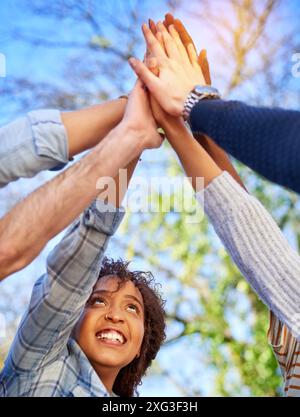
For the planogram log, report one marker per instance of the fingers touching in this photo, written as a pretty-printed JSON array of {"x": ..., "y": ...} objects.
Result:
[
  {"x": 152, "y": 64},
  {"x": 144, "y": 74},
  {"x": 183, "y": 33},
  {"x": 169, "y": 42},
  {"x": 153, "y": 45},
  {"x": 168, "y": 39},
  {"x": 152, "y": 27},
  {"x": 173, "y": 38},
  {"x": 181, "y": 48},
  {"x": 186, "y": 41},
  {"x": 169, "y": 20},
  {"x": 192, "y": 54},
  {"x": 171, "y": 66}
]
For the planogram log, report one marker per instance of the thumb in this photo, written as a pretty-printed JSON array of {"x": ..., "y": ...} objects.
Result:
[{"x": 145, "y": 75}]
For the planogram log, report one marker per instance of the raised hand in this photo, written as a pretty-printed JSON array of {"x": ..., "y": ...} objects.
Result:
[
  {"x": 179, "y": 70},
  {"x": 159, "y": 114},
  {"x": 183, "y": 33},
  {"x": 162, "y": 118},
  {"x": 138, "y": 117},
  {"x": 187, "y": 40}
]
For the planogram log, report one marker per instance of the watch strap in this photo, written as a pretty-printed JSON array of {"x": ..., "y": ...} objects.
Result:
[{"x": 197, "y": 94}]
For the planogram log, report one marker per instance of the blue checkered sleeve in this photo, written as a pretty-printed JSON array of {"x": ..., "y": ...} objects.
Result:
[
  {"x": 59, "y": 296},
  {"x": 31, "y": 144}
]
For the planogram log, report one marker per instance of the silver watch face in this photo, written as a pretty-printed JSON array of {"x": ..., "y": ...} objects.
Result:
[{"x": 206, "y": 90}]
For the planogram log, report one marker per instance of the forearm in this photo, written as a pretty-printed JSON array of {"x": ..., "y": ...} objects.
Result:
[
  {"x": 86, "y": 127},
  {"x": 195, "y": 160},
  {"x": 267, "y": 140},
  {"x": 219, "y": 156},
  {"x": 116, "y": 195},
  {"x": 26, "y": 229},
  {"x": 257, "y": 246},
  {"x": 46, "y": 139}
]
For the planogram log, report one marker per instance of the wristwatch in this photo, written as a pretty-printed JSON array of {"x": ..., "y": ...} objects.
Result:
[{"x": 198, "y": 93}]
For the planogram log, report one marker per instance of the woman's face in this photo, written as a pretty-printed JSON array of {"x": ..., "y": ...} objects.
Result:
[{"x": 111, "y": 328}]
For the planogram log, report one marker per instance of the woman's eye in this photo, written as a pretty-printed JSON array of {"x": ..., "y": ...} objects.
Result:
[
  {"x": 133, "y": 307},
  {"x": 97, "y": 301}
]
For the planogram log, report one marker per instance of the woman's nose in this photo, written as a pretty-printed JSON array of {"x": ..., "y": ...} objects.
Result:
[{"x": 114, "y": 315}]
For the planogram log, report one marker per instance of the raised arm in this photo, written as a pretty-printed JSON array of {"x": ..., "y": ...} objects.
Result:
[
  {"x": 248, "y": 232},
  {"x": 265, "y": 139},
  {"x": 73, "y": 266},
  {"x": 87, "y": 127},
  {"x": 217, "y": 153},
  {"x": 246, "y": 229},
  {"x": 26, "y": 229},
  {"x": 47, "y": 139},
  {"x": 59, "y": 296}
]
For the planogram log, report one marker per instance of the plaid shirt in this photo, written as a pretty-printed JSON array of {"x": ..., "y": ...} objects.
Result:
[
  {"x": 44, "y": 360},
  {"x": 32, "y": 144}
]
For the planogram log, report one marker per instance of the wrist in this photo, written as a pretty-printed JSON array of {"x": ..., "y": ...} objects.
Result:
[
  {"x": 197, "y": 94},
  {"x": 174, "y": 128},
  {"x": 180, "y": 139},
  {"x": 122, "y": 103},
  {"x": 133, "y": 137}
]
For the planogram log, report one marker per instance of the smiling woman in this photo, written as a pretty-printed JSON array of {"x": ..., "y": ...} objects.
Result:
[
  {"x": 120, "y": 333},
  {"x": 77, "y": 341},
  {"x": 122, "y": 326}
]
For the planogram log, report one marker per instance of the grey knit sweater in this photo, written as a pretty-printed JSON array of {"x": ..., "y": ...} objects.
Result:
[{"x": 257, "y": 246}]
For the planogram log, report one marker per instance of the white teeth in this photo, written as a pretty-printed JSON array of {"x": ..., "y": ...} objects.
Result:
[{"x": 109, "y": 335}]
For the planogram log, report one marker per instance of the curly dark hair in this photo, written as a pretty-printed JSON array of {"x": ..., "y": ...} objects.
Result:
[{"x": 130, "y": 376}]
